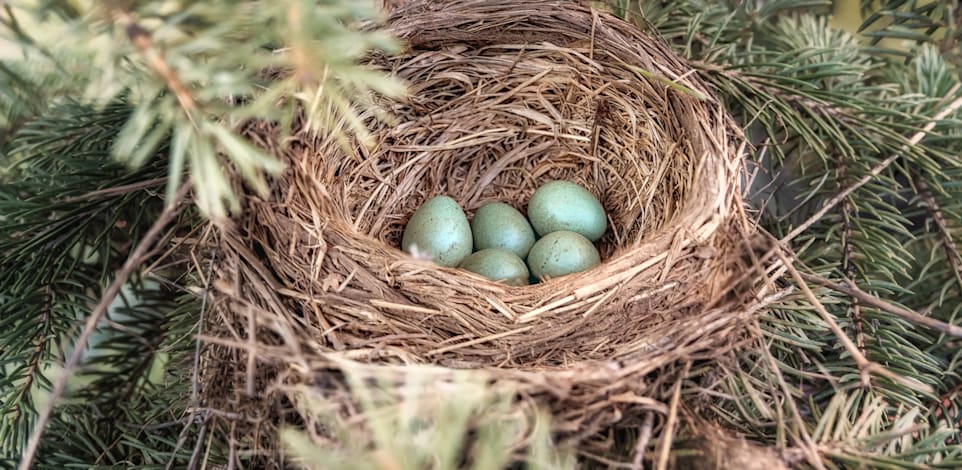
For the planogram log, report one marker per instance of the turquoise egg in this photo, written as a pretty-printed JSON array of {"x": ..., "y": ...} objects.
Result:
[
  {"x": 498, "y": 225},
  {"x": 498, "y": 264},
  {"x": 563, "y": 205},
  {"x": 441, "y": 229},
  {"x": 560, "y": 253}
]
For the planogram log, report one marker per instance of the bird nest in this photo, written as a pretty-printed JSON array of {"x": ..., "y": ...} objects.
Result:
[{"x": 504, "y": 96}]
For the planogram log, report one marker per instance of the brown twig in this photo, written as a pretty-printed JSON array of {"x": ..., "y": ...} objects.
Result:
[
  {"x": 115, "y": 190},
  {"x": 848, "y": 254},
  {"x": 643, "y": 437},
  {"x": 935, "y": 212},
  {"x": 143, "y": 41},
  {"x": 70, "y": 367},
  {"x": 232, "y": 447},
  {"x": 668, "y": 435},
  {"x": 865, "y": 366},
  {"x": 857, "y": 355},
  {"x": 876, "y": 302},
  {"x": 34, "y": 363},
  {"x": 195, "y": 456}
]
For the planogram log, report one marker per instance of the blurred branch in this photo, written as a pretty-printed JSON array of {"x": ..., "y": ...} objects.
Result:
[
  {"x": 70, "y": 367},
  {"x": 142, "y": 39}
]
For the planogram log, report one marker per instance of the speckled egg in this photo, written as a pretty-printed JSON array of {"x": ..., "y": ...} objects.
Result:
[
  {"x": 563, "y": 205},
  {"x": 562, "y": 252},
  {"x": 439, "y": 228},
  {"x": 498, "y": 225},
  {"x": 498, "y": 264}
]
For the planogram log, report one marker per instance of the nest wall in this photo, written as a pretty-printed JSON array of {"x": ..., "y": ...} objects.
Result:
[{"x": 505, "y": 96}]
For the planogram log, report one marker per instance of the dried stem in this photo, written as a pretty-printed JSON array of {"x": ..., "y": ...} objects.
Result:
[
  {"x": 668, "y": 435},
  {"x": 876, "y": 302},
  {"x": 644, "y": 437}
]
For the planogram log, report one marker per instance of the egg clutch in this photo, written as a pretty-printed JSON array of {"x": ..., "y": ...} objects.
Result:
[{"x": 567, "y": 218}]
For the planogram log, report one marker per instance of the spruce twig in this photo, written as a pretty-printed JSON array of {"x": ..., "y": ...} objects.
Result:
[
  {"x": 143, "y": 41},
  {"x": 865, "y": 366},
  {"x": 70, "y": 367},
  {"x": 848, "y": 255},
  {"x": 876, "y": 170},
  {"x": 42, "y": 338},
  {"x": 945, "y": 235},
  {"x": 912, "y": 316}
]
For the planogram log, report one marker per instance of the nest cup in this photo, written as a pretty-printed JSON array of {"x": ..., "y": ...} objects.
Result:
[{"x": 504, "y": 96}]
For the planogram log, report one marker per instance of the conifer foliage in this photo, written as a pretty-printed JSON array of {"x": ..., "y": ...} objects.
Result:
[{"x": 107, "y": 108}]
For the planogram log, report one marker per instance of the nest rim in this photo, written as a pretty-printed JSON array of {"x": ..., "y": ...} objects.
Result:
[{"x": 332, "y": 290}]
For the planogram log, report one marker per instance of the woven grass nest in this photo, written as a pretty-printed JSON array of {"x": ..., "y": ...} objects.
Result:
[{"x": 505, "y": 96}]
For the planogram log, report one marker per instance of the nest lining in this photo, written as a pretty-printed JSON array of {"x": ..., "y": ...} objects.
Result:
[{"x": 561, "y": 120}]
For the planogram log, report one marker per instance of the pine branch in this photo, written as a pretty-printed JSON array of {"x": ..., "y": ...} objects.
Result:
[
  {"x": 937, "y": 23},
  {"x": 839, "y": 128},
  {"x": 935, "y": 212},
  {"x": 144, "y": 42},
  {"x": 874, "y": 172},
  {"x": 194, "y": 75},
  {"x": 853, "y": 291},
  {"x": 848, "y": 266},
  {"x": 68, "y": 229},
  {"x": 70, "y": 367}
]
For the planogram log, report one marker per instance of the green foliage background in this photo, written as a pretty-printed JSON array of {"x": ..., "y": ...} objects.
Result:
[{"x": 94, "y": 137}]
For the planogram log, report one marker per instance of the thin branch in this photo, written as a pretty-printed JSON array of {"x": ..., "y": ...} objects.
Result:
[
  {"x": 232, "y": 447},
  {"x": 876, "y": 302},
  {"x": 134, "y": 260},
  {"x": 935, "y": 212},
  {"x": 668, "y": 434},
  {"x": 848, "y": 254},
  {"x": 116, "y": 190},
  {"x": 865, "y": 366},
  {"x": 643, "y": 437},
  {"x": 38, "y": 350},
  {"x": 876, "y": 170},
  {"x": 826, "y": 317},
  {"x": 195, "y": 456},
  {"x": 144, "y": 42}
]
